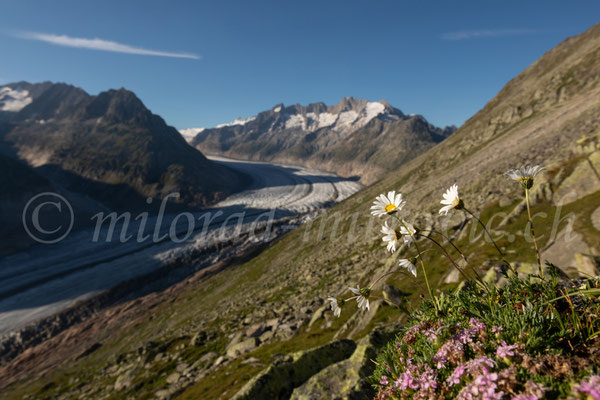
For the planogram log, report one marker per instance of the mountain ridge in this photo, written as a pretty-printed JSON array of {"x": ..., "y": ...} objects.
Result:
[
  {"x": 109, "y": 148},
  {"x": 346, "y": 138}
]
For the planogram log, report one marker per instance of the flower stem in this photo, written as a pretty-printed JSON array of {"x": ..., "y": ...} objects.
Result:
[
  {"x": 448, "y": 257},
  {"x": 380, "y": 278},
  {"x": 426, "y": 280},
  {"x": 423, "y": 267},
  {"x": 460, "y": 252},
  {"x": 486, "y": 231},
  {"x": 537, "y": 251}
]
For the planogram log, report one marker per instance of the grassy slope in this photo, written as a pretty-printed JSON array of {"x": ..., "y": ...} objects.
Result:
[{"x": 299, "y": 268}]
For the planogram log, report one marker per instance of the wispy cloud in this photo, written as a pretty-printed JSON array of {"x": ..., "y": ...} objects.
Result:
[
  {"x": 99, "y": 44},
  {"x": 485, "y": 33}
]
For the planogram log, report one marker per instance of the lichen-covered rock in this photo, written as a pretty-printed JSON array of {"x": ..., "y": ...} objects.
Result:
[
  {"x": 347, "y": 379},
  {"x": 584, "y": 180},
  {"x": 564, "y": 251},
  {"x": 280, "y": 378}
]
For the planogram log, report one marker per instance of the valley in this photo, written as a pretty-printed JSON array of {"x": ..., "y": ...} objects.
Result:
[{"x": 48, "y": 279}]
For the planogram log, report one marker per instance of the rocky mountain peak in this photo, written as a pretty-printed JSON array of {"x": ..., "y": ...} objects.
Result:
[
  {"x": 340, "y": 138},
  {"x": 117, "y": 105}
]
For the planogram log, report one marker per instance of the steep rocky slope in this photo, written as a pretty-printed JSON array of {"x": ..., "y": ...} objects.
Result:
[
  {"x": 99, "y": 152},
  {"x": 354, "y": 137},
  {"x": 109, "y": 146},
  {"x": 211, "y": 335}
]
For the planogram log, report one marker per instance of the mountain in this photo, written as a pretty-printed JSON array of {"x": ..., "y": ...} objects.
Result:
[
  {"x": 263, "y": 322},
  {"x": 354, "y": 137},
  {"x": 104, "y": 152},
  {"x": 109, "y": 146}
]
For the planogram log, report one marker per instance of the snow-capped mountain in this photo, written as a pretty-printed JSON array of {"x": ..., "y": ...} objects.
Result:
[
  {"x": 353, "y": 137},
  {"x": 109, "y": 146},
  {"x": 190, "y": 133},
  {"x": 14, "y": 100}
]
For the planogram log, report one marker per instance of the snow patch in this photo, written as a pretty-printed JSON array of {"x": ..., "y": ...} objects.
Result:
[
  {"x": 190, "y": 133},
  {"x": 295, "y": 121},
  {"x": 373, "y": 109},
  {"x": 277, "y": 109},
  {"x": 327, "y": 119},
  {"x": 13, "y": 100},
  {"x": 318, "y": 121},
  {"x": 346, "y": 119},
  {"x": 237, "y": 121}
]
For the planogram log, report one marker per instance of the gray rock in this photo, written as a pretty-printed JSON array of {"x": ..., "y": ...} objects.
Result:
[
  {"x": 273, "y": 322},
  {"x": 317, "y": 315},
  {"x": 220, "y": 361},
  {"x": 347, "y": 379},
  {"x": 266, "y": 336},
  {"x": 504, "y": 201},
  {"x": 124, "y": 381},
  {"x": 279, "y": 380},
  {"x": 208, "y": 356},
  {"x": 255, "y": 330},
  {"x": 173, "y": 378},
  {"x": 236, "y": 338},
  {"x": 242, "y": 347}
]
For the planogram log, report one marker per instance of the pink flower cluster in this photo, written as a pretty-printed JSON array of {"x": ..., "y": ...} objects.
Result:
[
  {"x": 505, "y": 351},
  {"x": 489, "y": 374},
  {"x": 417, "y": 377},
  {"x": 484, "y": 386},
  {"x": 589, "y": 387}
]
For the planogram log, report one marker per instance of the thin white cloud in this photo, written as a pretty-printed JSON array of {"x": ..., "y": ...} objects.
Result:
[
  {"x": 99, "y": 44},
  {"x": 485, "y": 33}
]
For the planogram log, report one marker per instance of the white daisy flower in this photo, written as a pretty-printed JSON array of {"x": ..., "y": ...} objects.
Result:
[
  {"x": 362, "y": 296},
  {"x": 406, "y": 263},
  {"x": 391, "y": 237},
  {"x": 387, "y": 204},
  {"x": 408, "y": 232},
  {"x": 525, "y": 175},
  {"x": 451, "y": 200},
  {"x": 336, "y": 305}
]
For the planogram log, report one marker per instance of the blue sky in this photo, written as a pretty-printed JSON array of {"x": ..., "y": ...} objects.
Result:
[{"x": 218, "y": 60}]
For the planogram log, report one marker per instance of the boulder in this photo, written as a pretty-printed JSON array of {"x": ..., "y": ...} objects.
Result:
[
  {"x": 243, "y": 347},
  {"x": 280, "y": 378},
  {"x": 347, "y": 379},
  {"x": 582, "y": 181},
  {"x": 255, "y": 330},
  {"x": 173, "y": 378},
  {"x": 124, "y": 381}
]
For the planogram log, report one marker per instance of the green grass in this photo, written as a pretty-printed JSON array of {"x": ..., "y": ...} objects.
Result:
[{"x": 544, "y": 329}]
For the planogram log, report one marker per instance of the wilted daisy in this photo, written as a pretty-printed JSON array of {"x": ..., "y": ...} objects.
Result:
[
  {"x": 409, "y": 265},
  {"x": 525, "y": 175},
  {"x": 387, "y": 204},
  {"x": 451, "y": 200},
  {"x": 336, "y": 305},
  {"x": 362, "y": 296},
  {"x": 391, "y": 237},
  {"x": 408, "y": 232}
]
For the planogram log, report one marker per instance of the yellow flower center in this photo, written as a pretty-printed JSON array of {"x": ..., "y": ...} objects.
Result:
[
  {"x": 455, "y": 202},
  {"x": 526, "y": 182},
  {"x": 390, "y": 208}
]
